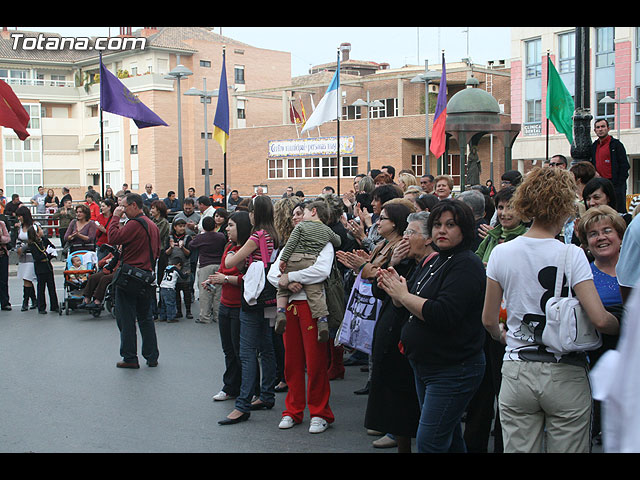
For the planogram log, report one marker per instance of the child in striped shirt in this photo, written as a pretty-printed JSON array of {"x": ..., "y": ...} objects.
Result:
[{"x": 306, "y": 241}]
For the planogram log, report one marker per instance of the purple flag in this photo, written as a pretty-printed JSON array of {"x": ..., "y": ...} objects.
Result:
[{"x": 117, "y": 99}]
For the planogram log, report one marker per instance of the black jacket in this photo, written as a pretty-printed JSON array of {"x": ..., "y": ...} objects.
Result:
[
  {"x": 452, "y": 329},
  {"x": 619, "y": 162}
]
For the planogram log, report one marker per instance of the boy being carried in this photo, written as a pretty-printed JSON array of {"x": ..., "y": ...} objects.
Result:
[{"x": 306, "y": 241}]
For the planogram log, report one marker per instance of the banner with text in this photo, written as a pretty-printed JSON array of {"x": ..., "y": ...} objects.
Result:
[{"x": 311, "y": 147}]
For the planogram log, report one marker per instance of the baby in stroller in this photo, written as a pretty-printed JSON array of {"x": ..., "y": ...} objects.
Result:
[
  {"x": 81, "y": 277},
  {"x": 81, "y": 265}
]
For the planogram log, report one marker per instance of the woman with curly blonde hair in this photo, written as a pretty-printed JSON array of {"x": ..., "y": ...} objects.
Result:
[
  {"x": 541, "y": 391},
  {"x": 283, "y": 216}
]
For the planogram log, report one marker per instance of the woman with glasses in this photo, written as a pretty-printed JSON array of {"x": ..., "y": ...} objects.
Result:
[{"x": 392, "y": 405}]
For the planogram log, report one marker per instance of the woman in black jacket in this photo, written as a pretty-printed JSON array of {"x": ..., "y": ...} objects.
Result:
[{"x": 443, "y": 336}]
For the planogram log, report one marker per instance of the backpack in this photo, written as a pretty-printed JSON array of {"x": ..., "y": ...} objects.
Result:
[{"x": 567, "y": 328}]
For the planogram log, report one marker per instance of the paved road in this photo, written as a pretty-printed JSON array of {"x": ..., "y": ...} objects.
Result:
[{"x": 61, "y": 392}]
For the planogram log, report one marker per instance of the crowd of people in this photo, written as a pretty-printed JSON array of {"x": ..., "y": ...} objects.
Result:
[{"x": 457, "y": 283}]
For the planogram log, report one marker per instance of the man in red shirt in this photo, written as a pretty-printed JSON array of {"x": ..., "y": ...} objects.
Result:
[
  {"x": 129, "y": 307},
  {"x": 609, "y": 157}
]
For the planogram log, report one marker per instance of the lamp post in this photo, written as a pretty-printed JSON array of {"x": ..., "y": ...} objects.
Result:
[
  {"x": 426, "y": 77},
  {"x": 368, "y": 104},
  {"x": 608, "y": 99},
  {"x": 178, "y": 74},
  {"x": 205, "y": 97}
]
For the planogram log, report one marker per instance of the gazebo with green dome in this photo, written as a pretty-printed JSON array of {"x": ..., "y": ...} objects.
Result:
[{"x": 473, "y": 113}]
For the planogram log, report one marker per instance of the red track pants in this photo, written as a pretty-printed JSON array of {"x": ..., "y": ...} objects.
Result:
[{"x": 301, "y": 347}]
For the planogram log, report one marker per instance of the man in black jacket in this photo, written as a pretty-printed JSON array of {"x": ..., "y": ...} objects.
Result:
[{"x": 609, "y": 157}]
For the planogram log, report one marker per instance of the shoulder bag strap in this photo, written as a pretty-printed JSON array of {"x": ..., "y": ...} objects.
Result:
[
  {"x": 561, "y": 265},
  {"x": 146, "y": 229}
]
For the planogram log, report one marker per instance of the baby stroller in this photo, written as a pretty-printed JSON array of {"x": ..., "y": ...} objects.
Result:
[{"x": 75, "y": 278}]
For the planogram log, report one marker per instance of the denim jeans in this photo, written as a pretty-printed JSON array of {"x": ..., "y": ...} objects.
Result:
[
  {"x": 167, "y": 304},
  {"x": 444, "y": 393},
  {"x": 255, "y": 339},
  {"x": 229, "y": 326}
]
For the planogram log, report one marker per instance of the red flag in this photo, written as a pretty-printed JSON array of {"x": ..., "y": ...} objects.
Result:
[
  {"x": 12, "y": 114},
  {"x": 438, "y": 136},
  {"x": 293, "y": 114}
]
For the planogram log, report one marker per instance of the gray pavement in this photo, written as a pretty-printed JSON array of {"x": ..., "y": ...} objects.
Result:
[{"x": 62, "y": 393}]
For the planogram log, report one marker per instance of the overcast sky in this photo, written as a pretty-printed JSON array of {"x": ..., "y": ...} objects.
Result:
[{"x": 397, "y": 46}]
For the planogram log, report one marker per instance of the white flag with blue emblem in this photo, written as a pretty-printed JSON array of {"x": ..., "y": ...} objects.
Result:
[{"x": 327, "y": 109}]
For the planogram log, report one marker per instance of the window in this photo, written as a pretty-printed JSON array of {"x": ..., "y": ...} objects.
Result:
[
  {"x": 205, "y": 63},
  {"x": 533, "y": 59},
  {"x": 349, "y": 166},
  {"x": 276, "y": 168},
  {"x": 606, "y": 110},
  {"x": 351, "y": 112},
  {"x": 329, "y": 167},
  {"x": 294, "y": 168},
  {"x": 241, "y": 111},
  {"x": 637, "y": 44},
  {"x": 388, "y": 109},
  {"x": 24, "y": 182},
  {"x": 34, "y": 111},
  {"x": 637, "y": 125},
  {"x": 605, "y": 47},
  {"x": 239, "y": 74},
  {"x": 417, "y": 165},
  {"x": 134, "y": 144},
  {"x": 567, "y": 54},
  {"x": 533, "y": 111}
]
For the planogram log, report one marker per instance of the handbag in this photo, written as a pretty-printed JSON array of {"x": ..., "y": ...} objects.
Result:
[
  {"x": 360, "y": 316},
  {"x": 136, "y": 281},
  {"x": 256, "y": 276},
  {"x": 567, "y": 328}
]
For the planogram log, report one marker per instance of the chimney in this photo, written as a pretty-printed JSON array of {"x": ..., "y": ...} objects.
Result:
[
  {"x": 125, "y": 31},
  {"x": 345, "y": 48},
  {"x": 148, "y": 31}
]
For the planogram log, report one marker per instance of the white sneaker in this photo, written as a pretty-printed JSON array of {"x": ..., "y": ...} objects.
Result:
[
  {"x": 318, "y": 425},
  {"x": 286, "y": 422},
  {"x": 221, "y": 396}
]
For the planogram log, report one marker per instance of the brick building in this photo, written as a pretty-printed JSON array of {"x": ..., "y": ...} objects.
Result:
[{"x": 614, "y": 72}]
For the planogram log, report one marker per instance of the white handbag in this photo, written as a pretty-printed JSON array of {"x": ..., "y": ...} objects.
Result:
[{"x": 567, "y": 328}]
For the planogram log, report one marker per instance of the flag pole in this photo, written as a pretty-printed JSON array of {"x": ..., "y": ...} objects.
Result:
[
  {"x": 338, "y": 127},
  {"x": 224, "y": 154},
  {"x": 101, "y": 140},
  {"x": 547, "y": 136}
]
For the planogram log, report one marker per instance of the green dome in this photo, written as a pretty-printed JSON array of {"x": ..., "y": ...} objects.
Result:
[{"x": 473, "y": 100}]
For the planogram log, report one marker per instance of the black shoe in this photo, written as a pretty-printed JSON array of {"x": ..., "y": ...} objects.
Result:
[
  {"x": 261, "y": 406},
  {"x": 42, "y": 312},
  {"x": 6, "y": 307},
  {"x": 231, "y": 421},
  {"x": 363, "y": 391},
  {"x": 189, "y": 316}
]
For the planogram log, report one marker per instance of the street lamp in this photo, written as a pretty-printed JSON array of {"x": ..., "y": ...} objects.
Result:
[
  {"x": 178, "y": 74},
  {"x": 205, "y": 97},
  {"x": 368, "y": 104},
  {"x": 426, "y": 77},
  {"x": 608, "y": 99}
]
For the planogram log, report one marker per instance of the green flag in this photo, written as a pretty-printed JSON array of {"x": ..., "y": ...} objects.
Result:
[{"x": 560, "y": 106}]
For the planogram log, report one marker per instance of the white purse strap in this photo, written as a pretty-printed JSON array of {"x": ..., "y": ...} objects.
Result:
[{"x": 564, "y": 267}]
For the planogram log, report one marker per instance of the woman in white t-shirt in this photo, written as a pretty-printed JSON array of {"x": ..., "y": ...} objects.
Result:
[{"x": 540, "y": 392}]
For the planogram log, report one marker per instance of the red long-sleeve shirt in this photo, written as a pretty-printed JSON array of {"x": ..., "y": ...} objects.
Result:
[{"x": 133, "y": 237}]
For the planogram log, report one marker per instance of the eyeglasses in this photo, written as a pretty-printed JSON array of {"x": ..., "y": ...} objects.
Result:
[
  {"x": 555, "y": 164},
  {"x": 383, "y": 218},
  {"x": 408, "y": 232}
]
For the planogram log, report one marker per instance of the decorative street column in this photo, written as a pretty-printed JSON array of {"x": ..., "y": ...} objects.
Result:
[{"x": 581, "y": 147}]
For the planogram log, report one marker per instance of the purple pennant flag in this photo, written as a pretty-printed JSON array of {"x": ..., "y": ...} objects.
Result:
[{"x": 117, "y": 99}]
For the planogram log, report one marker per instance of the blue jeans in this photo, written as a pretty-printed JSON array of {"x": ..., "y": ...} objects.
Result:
[
  {"x": 255, "y": 339},
  {"x": 167, "y": 304},
  {"x": 444, "y": 393}
]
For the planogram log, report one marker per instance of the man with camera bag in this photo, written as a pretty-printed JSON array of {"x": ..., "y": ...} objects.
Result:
[{"x": 134, "y": 280}]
